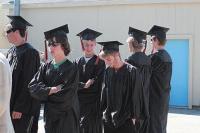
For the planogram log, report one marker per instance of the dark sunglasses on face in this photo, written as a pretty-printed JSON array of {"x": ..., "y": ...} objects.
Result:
[
  {"x": 11, "y": 30},
  {"x": 52, "y": 43},
  {"x": 153, "y": 39}
]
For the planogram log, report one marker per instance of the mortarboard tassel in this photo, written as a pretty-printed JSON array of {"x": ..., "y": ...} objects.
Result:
[
  {"x": 145, "y": 47},
  {"x": 81, "y": 44},
  {"x": 46, "y": 52},
  {"x": 26, "y": 36}
]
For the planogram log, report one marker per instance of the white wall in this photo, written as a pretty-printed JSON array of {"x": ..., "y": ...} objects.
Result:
[
  {"x": 114, "y": 20},
  {"x": 3, "y": 21}
]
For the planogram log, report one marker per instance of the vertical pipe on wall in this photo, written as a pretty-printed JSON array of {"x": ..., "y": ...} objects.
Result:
[{"x": 16, "y": 7}]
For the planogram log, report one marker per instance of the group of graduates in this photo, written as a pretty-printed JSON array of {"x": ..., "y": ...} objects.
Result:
[{"x": 95, "y": 93}]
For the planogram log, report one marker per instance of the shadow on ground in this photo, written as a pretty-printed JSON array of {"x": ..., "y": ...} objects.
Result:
[{"x": 185, "y": 111}]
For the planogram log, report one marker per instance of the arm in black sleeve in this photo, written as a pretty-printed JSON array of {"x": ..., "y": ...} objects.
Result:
[
  {"x": 137, "y": 96},
  {"x": 99, "y": 73},
  {"x": 104, "y": 96},
  {"x": 30, "y": 63},
  {"x": 71, "y": 79},
  {"x": 37, "y": 87},
  {"x": 69, "y": 86}
]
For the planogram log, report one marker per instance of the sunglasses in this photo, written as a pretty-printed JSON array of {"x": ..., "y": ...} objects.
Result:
[
  {"x": 153, "y": 39},
  {"x": 11, "y": 30},
  {"x": 53, "y": 44}
]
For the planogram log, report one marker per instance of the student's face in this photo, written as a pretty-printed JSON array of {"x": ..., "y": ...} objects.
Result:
[
  {"x": 89, "y": 46},
  {"x": 55, "y": 49},
  {"x": 154, "y": 41},
  {"x": 109, "y": 60},
  {"x": 12, "y": 35}
]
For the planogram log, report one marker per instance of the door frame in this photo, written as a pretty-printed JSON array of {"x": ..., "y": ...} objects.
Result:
[{"x": 190, "y": 65}]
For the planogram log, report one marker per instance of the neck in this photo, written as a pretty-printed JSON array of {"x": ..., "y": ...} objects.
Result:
[
  {"x": 137, "y": 50},
  {"x": 160, "y": 47},
  {"x": 59, "y": 58}
]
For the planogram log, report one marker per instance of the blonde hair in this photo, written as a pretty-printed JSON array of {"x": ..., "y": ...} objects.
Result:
[
  {"x": 86, "y": 41},
  {"x": 134, "y": 43},
  {"x": 105, "y": 53}
]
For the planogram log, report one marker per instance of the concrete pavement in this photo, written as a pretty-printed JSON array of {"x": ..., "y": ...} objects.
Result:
[{"x": 179, "y": 121}]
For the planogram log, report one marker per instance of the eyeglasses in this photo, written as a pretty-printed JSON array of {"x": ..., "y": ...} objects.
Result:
[{"x": 11, "y": 30}]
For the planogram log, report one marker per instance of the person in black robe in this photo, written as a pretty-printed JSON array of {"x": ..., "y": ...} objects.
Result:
[
  {"x": 122, "y": 98},
  {"x": 137, "y": 45},
  {"x": 24, "y": 61},
  {"x": 160, "y": 81},
  {"x": 91, "y": 72},
  {"x": 56, "y": 84}
]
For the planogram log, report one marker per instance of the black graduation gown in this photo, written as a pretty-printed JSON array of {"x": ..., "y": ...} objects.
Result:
[
  {"x": 160, "y": 91},
  {"x": 89, "y": 98},
  {"x": 143, "y": 64},
  {"x": 122, "y": 99},
  {"x": 61, "y": 108},
  {"x": 24, "y": 61}
]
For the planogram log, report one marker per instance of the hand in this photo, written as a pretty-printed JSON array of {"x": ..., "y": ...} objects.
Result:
[
  {"x": 16, "y": 115},
  {"x": 89, "y": 83},
  {"x": 54, "y": 90},
  {"x": 134, "y": 121}
]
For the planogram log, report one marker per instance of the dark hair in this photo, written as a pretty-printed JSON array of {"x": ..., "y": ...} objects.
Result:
[
  {"x": 21, "y": 31},
  {"x": 66, "y": 47},
  {"x": 105, "y": 53},
  {"x": 61, "y": 37},
  {"x": 161, "y": 42}
]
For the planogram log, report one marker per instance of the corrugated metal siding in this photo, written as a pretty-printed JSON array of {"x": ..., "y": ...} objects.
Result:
[
  {"x": 115, "y": 1},
  {"x": 113, "y": 21}
]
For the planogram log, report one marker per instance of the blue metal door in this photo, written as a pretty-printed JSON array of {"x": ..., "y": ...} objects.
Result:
[{"x": 179, "y": 51}]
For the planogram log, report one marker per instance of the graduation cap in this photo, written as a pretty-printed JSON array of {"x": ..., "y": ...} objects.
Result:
[
  {"x": 19, "y": 22},
  {"x": 159, "y": 32},
  {"x": 58, "y": 32},
  {"x": 139, "y": 35},
  {"x": 110, "y": 45},
  {"x": 60, "y": 37},
  {"x": 88, "y": 34}
]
